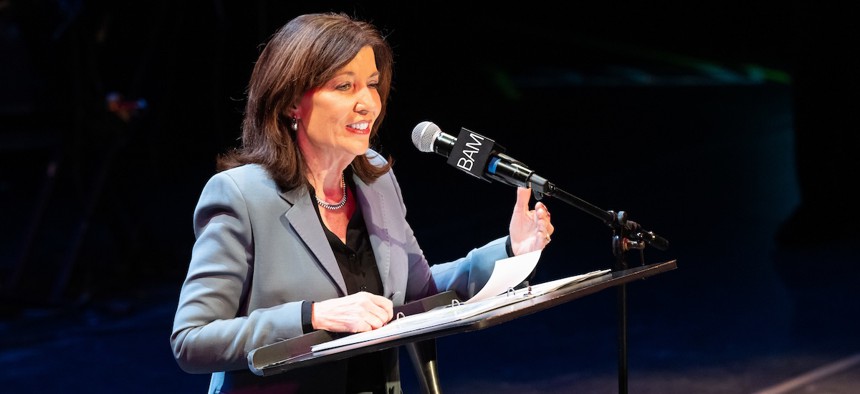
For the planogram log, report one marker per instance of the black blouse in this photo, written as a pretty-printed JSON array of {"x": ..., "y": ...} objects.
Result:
[{"x": 357, "y": 264}]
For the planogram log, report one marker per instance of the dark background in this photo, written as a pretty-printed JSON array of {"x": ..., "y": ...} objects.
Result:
[{"x": 726, "y": 127}]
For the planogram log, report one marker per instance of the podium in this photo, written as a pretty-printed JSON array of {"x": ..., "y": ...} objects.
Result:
[{"x": 298, "y": 352}]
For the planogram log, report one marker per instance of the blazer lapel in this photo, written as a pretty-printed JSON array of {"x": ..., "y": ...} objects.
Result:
[
  {"x": 372, "y": 203},
  {"x": 303, "y": 218}
]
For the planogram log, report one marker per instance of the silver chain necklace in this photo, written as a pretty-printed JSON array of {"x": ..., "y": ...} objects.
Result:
[{"x": 339, "y": 205}]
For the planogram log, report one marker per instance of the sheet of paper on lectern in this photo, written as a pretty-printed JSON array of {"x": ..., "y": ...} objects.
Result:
[
  {"x": 507, "y": 273},
  {"x": 402, "y": 325}
]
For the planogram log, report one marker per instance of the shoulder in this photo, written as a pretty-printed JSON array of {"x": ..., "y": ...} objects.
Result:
[
  {"x": 247, "y": 171},
  {"x": 248, "y": 178}
]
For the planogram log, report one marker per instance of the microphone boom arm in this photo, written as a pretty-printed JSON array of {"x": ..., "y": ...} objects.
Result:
[{"x": 629, "y": 234}]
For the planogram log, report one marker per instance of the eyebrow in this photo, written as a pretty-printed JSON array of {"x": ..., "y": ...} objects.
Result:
[{"x": 352, "y": 73}]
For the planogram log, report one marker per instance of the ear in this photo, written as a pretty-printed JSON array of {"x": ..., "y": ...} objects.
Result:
[{"x": 293, "y": 111}]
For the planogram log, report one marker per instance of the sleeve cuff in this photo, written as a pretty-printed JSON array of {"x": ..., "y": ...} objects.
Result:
[
  {"x": 307, "y": 315},
  {"x": 508, "y": 248}
]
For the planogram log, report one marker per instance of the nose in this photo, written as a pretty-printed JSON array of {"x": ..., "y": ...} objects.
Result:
[{"x": 367, "y": 101}]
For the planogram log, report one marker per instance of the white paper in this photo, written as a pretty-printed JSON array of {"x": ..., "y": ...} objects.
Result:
[
  {"x": 547, "y": 287},
  {"x": 431, "y": 318},
  {"x": 439, "y": 316},
  {"x": 506, "y": 274}
]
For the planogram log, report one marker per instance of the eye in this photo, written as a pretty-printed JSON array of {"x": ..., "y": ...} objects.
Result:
[
  {"x": 373, "y": 84},
  {"x": 344, "y": 86}
]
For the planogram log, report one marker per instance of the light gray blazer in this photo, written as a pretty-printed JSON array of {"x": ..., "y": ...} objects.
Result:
[{"x": 261, "y": 251}]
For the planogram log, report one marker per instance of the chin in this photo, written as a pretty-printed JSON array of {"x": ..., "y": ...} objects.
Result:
[{"x": 359, "y": 150}]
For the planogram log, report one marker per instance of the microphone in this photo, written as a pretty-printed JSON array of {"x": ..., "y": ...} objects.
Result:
[
  {"x": 475, "y": 155},
  {"x": 482, "y": 158}
]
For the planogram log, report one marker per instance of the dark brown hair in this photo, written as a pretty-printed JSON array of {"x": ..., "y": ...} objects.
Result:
[{"x": 304, "y": 54}]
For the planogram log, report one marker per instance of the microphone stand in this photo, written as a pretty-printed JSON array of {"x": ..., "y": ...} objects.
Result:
[{"x": 626, "y": 235}]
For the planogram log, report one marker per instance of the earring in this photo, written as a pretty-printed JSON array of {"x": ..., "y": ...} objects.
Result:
[{"x": 294, "y": 124}]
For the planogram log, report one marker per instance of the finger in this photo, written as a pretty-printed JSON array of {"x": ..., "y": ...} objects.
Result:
[
  {"x": 377, "y": 318},
  {"x": 544, "y": 236},
  {"x": 365, "y": 320},
  {"x": 524, "y": 195},
  {"x": 542, "y": 220},
  {"x": 545, "y": 230},
  {"x": 361, "y": 326},
  {"x": 542, "y": 214},
  {"x": 542, "y": 210},
  {"x": 382, "y": 315},
  {"x": 372, "y": 320},
  {"x": 381, "y": 308},
  {"x": 386, "y": 306}
]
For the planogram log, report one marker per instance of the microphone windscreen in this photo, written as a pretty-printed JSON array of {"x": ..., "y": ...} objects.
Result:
[{"x": 424, "y": 134}]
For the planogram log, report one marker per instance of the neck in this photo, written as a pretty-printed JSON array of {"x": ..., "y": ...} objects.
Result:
[
  {"x": 332, "y": 199},
  {"x": 328, "y": 185}
]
